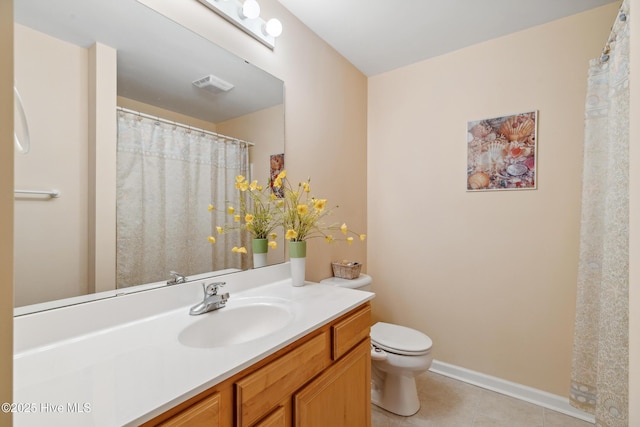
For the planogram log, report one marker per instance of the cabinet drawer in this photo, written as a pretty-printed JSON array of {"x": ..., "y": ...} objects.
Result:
[
  {"x": 204, "y": 413},
  {"x": 350, "y": 331},
  {"x": 260, "y": 392}
]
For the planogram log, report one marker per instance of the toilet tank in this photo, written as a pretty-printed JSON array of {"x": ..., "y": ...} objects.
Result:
[{"x": 362, "y": 282}]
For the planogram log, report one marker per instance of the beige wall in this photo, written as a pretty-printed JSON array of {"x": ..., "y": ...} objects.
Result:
[
  {"x": 101, "y": 137},
  {"x": 326, "y": 112},
  {"x": 51, "y": 233},
  {"x": 152, "y": 110},
  {"x": 489, "y": 276},
  {"x": 6, "y": 206},
  {"x": 634, "y": 223},
  {"x": 264, "y": 128},
  {"x": 72, "y": 127}
]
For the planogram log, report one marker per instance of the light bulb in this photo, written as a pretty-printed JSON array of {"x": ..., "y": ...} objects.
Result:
[
  {"x": 250, "y": 9},
  {"x": 273, "y": 27}
]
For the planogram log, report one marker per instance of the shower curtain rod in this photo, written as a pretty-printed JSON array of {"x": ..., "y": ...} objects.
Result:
[
  {"x": 191, "y": 128},
  {"x": 620, "y": 21}
]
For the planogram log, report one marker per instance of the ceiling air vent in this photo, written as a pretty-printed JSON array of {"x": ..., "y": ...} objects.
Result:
[{"x": 213, "y": 84}]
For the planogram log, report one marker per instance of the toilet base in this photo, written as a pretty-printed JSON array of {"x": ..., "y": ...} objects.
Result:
[{"x": 395, "y": 393}]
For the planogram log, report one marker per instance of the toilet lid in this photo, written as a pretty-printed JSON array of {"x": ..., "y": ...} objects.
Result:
[{"x": 400, "y": 339}]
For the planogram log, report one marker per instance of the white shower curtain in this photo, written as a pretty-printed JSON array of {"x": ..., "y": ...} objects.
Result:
[
  {"x": 167, "y": 175},
  {"x": 599, "y": 379}
]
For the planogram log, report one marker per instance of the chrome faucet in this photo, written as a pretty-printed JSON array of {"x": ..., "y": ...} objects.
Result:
[
  {"x": 176, "y": 278},
  {"x": 212, "y": 300}
]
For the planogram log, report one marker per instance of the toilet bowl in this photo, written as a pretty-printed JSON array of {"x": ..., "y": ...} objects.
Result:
[{"x": 398, "y": 355}]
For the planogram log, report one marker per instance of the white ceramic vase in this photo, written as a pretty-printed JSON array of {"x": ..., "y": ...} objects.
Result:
[
  {"x": 260, "y": 248},
  {"x": 298, "y": 258}
]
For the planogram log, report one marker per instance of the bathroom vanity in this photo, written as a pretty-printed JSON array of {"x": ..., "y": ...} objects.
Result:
[
  {"x": 277, "y": 356},
  {"x": 328, "y": 368}
]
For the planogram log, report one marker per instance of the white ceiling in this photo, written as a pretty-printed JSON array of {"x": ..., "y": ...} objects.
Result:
[{"x": 381, "y": 35}]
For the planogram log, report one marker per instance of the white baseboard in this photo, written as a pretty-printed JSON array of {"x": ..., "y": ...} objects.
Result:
[{"x": 518, "y": 391}]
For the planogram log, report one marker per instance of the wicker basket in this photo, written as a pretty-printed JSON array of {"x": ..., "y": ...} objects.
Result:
[{"x": 346, "y": 270}]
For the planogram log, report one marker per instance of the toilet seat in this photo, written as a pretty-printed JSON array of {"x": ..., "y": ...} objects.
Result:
[{"x": 400, "y": 339}]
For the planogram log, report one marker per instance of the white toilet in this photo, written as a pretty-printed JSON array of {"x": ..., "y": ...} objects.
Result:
[{"x": 398, "y": 355}]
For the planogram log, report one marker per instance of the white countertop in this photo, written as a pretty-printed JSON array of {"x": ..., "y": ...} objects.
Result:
[{"x": 119, "y": 369}]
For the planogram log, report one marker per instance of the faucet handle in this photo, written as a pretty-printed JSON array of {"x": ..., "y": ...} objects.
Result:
[
  {"x": 176, "y": 278},
  {"x": 212, "y": 288}
]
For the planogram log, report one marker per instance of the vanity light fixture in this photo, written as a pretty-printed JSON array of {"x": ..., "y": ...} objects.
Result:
[
  {"x": 246, "y": 16},
  {"x": 273, "y": 27},
  {"x": 250, "y": 9}
]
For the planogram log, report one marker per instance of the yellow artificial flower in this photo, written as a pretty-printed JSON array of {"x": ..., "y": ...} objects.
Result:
[
  {"x": 241, "y": 250},
  {"x": 283, "y": 174},
  {"x": 302, "y": 209},
  {"x": 241, "y": 183},
  {"x": 319, "y": 204},
  {"x": 306, "y": 187},
  {"x": 211, "y": 239},
  {"x": 273, "y": 236},
  {"x": 273, "y": 244},
  {"x": 363, "y": 236},
  {"x": 277, "y": 183},
  {"x": 328, "y": 238},
  {"x": 210, "y": 207},
  {"x": 343, "y": 229},
  {"x": 349, "y": 240},
  {"x": 291, "y": 234},
  {"x": 255, "y": 212}
]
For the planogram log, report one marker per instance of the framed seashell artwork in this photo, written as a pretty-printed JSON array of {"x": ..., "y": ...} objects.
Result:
[{"x": 501, "y": 153}]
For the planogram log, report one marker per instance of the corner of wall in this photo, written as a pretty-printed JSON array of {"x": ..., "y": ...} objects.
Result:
[
  {"x": 634, "y": 235},
  {"x": 6, "y": 206}
]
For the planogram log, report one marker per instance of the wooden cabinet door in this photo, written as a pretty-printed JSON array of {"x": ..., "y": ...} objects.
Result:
[
  {"x": 259, "y": 393},
  {"x": 205, "y": 413},
  {"x": 340, "y": 396}
]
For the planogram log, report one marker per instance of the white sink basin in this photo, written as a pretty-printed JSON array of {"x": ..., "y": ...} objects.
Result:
[{"x": 241, "y": 321}]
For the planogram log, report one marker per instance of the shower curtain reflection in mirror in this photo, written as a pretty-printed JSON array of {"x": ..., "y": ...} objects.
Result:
[{"x": 167, "y": 175}]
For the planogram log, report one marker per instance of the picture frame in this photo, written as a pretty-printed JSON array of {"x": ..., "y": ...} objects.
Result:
[
  {"x": 502, "y": 152},
  {"x": 276, "y": 165}
]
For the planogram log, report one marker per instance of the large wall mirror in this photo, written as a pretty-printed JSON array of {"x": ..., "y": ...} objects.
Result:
[{"x": 80, "y": 65}]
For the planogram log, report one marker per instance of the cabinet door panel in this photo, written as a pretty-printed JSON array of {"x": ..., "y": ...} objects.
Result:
[
  {"x": 340, "y": 396},
  {"x": 205, "y": 413},
  {"x": 260, "y": 392}
]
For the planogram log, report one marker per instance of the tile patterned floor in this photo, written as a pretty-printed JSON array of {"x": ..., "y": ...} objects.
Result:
[{"x": 446, "y": 402}]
